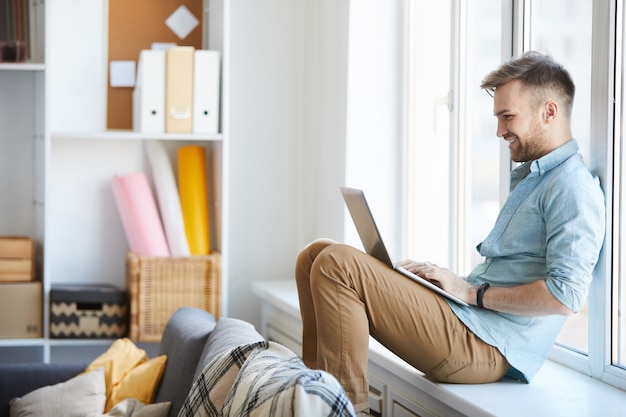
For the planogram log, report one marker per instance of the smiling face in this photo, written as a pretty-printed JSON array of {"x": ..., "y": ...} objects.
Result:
[{"x": 521, "y": 125}]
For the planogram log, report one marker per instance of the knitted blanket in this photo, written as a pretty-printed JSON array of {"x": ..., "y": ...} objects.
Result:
[{"x": 264, "y": 379}]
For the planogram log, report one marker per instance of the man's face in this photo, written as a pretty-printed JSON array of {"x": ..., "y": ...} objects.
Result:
[{"x": 518, "y": 123}]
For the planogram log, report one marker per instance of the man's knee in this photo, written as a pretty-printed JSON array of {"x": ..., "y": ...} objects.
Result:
[
  {"x": 334, "y": 261},
  {"x": 307, "y": 256},
  {"x": 310, "y": 252}
]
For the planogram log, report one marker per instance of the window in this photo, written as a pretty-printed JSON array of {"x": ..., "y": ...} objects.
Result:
[
  {"x": 452, "y": 45},
  {"x": 479, "y": 156},
  {"x": 428, "y": 141}
]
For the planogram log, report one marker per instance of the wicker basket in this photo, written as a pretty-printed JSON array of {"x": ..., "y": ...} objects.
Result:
[{"x": 158, "y": 286}]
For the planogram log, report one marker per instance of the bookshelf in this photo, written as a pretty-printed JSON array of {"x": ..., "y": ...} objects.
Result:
[
  {"x": 280, "y": 151},
  {"x": 57, "y": 159}
]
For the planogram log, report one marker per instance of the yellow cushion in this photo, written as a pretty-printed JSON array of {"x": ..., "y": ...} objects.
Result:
[
  {"x": 121, "y": 357},
  {"x": 140, "y": 383}
]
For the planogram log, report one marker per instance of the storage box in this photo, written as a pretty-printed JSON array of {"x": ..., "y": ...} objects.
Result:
[
  {"x": 17, "y": 259},
  {"x": 88, "y": 311},
  {"x": 158, "y": 286},
  {"x": 20, "y": 310}
]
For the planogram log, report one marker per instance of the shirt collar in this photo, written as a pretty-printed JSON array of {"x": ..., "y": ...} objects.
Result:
[
  {"x": 545, "y": 163},
  {"x": 555, "y": 158}
]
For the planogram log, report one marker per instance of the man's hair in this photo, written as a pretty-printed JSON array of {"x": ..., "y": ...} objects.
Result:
[{"x": 544, "y": 78}]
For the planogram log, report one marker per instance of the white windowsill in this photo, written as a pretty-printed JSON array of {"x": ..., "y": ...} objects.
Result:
[{"x": 555, "y": 391}]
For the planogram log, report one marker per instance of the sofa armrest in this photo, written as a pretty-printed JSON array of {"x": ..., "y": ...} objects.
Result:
[{"x": 17, "y": 380}]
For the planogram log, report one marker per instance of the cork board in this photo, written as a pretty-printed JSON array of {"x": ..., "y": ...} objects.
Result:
[{"x": 134, "y": 25}]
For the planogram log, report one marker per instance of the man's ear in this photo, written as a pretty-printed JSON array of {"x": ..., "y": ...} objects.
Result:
[{"x": 550, "y": 111}]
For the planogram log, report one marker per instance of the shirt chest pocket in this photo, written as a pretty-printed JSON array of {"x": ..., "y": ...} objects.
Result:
[{"x": 526, "y": 234}]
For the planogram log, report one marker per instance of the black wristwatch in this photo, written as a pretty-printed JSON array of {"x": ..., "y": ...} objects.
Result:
[{"x": 480, "y": 293}]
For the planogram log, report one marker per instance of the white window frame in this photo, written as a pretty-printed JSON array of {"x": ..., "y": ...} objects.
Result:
[{"x": 605, "y": 134}]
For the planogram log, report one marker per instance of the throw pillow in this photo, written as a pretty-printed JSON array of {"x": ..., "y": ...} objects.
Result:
[
  {"x": 228, "y": 334},
  {"x": 122, "y": 356},
  {"x": 140, "y": 383},
  {"x": 81, "y": 396},
  {"x": 131, "y": 407}
]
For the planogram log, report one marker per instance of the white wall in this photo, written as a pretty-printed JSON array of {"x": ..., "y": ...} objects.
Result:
[
  {"x": 265, "y": 131},
  {"x": 316, "y": 102}
]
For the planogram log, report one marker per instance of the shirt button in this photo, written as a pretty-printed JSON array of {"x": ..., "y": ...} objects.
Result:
[{"x": 489, "y": 260}]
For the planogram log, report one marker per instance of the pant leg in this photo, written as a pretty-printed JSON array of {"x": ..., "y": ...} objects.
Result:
[
  {"x": 307, "y": 311},
  {"x": 352, "y": 295}
]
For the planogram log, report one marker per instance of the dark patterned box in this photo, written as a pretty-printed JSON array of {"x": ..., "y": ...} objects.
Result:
[{"x": 88, "y": 311}]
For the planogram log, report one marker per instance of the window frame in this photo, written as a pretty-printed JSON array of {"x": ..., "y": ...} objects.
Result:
[{"x": 607, "y": 92}]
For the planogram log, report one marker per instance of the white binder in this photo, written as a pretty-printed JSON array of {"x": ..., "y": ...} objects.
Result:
[
  {"x": 149, "y": 92},
  {"x": 206, "y": 91}
]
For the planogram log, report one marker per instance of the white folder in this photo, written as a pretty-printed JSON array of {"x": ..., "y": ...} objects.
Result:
[
  {"x": 149, "y": 92},
  {"x": 206, "y": 91}
]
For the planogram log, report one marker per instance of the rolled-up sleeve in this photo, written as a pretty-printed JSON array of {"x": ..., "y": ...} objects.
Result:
[{"x": 575, "y": 229}]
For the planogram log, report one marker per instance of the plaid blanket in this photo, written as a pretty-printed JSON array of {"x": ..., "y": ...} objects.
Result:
[{"x": 264, "y": 379}]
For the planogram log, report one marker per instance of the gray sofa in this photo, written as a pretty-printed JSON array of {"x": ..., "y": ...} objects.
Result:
[{"x": 190, "y": 340}]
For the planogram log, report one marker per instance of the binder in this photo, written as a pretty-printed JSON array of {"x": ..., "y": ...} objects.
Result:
[
  {"x": 149, "y": 92},
  {"x": 206, "y": 91},
  {"x": 179, "y": 89}
]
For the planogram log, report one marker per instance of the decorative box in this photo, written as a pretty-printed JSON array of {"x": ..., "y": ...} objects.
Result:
[
  {"x": 17, "y": 259},
  {"x": 88, "y": 311}
]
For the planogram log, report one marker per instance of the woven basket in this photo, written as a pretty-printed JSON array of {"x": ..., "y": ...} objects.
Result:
[{"x": 158, "y": 286}]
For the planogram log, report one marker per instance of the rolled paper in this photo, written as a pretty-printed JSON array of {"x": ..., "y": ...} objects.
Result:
[
  {"x": 139, "y": 215},
  {"x": 192, "y": 185},
  {"x": 168, "y": 198}
]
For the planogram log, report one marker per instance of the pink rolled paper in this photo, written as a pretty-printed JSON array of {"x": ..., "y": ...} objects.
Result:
[{"x": 139, "y": 215}]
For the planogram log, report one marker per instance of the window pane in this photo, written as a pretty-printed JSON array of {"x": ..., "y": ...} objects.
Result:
[
  {"x": 480, "y": 176},
  {"x": 563, "y": 29},
  {"x": 428, "y": 158}
]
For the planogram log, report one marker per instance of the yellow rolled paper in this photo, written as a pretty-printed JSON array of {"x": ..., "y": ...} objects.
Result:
[{"x": 192, "y": 186}]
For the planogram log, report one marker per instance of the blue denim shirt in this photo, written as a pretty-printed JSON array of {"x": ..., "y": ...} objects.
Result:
[{"x": 551, "y": 227}]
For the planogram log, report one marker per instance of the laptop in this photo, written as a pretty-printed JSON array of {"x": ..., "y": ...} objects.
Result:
[{"x": 373, "y": 243}]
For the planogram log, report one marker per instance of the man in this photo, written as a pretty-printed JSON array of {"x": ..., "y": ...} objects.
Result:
[{"x": 539, "y": 260}]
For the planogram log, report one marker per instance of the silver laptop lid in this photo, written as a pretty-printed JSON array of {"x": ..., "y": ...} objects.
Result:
[{"x": 365, "y": 225}]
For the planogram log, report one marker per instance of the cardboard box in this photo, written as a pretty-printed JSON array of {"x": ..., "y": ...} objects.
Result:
[
  {"x": 20, "y": 310},
  {"x": 88, "y": 312},
  {"x": 17, "y": 255}
]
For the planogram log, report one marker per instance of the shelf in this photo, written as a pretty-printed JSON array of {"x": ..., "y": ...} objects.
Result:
[
  {"x": 21, "y": 342},
  {"x": 131, "y": 135},
  {"x": 21, "y": 66}
]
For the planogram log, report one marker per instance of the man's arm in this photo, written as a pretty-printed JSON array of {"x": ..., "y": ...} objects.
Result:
[{"x": 532, "y": 299}]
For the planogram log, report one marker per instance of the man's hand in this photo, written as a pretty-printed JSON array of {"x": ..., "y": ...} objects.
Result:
[{"x": 443, "y": 278}]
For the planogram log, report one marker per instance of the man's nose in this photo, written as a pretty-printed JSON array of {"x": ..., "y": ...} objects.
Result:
[{"x": 502, "y": 130}]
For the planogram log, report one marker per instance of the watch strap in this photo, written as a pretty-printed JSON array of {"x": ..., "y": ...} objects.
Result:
[{"x": 480, "y": 293}]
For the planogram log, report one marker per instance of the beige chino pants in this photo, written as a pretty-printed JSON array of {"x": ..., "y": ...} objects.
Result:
[{"x": 346, "y": 295}]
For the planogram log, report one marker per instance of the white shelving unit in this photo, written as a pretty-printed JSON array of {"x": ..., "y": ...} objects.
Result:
[
  {"x": 284, "y": 121},
  {"x": 57, "y": 160}
]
